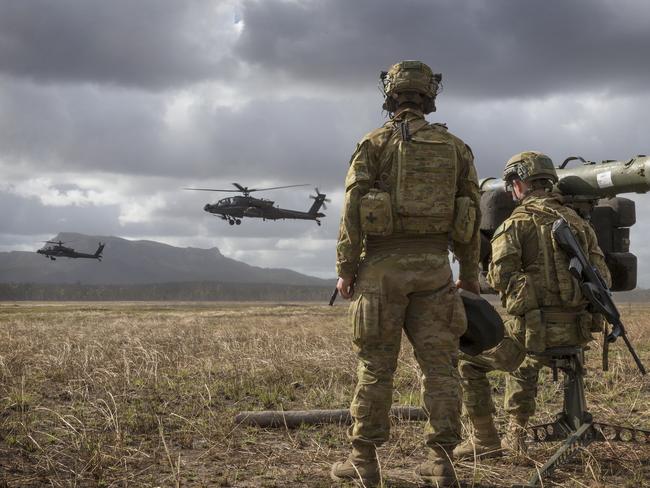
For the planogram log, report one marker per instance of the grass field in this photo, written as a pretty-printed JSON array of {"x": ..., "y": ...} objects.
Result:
[{"x": 144, "y": 394}]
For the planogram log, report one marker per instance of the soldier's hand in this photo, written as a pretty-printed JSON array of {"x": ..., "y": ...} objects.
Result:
[
  {"x": 345, "y": 286},
  {"x": 471, "y": 286}
]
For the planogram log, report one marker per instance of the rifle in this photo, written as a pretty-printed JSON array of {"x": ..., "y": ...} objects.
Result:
[
  {"x": 594, "y": 288},
  {"x": 335, "y": 293}
]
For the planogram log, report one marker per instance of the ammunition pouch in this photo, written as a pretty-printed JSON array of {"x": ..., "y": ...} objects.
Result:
[
  {"x": 597, "y": 322},
  {"x": 375, "y": 211},
  {"x": 464, "y": 220},
  {"x": 585, "y": 324}
]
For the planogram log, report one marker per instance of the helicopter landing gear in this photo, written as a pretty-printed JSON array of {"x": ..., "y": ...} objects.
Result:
[
  {"x": 318, "y": 222},
  {"x": 238, "y": 221},
  {"x": 231, "y": 222}
]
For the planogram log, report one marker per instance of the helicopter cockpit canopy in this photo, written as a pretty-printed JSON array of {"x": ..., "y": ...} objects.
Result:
[{"x": 225, "y": 202}]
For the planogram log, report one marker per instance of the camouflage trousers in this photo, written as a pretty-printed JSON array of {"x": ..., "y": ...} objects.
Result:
[
  {"x": 510, "y": 356},
  {"x": 414, "y": 293}
]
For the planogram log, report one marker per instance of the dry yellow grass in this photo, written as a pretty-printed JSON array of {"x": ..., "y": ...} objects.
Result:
[{"x": 143, "y": 394}]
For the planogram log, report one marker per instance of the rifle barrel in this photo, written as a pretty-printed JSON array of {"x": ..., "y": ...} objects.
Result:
[{"x": 636, "y": 358}]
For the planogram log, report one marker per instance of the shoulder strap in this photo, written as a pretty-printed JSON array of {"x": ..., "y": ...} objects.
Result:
[{"x": 386, "y": 153}]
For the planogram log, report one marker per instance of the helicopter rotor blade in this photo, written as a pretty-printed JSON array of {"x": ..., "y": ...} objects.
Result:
[
  {"x": 241, "y": 188},
  {"x": 244, "y": 189},
  {"x": 211, "y": 189},
  {"x": 275, "y": 187}
]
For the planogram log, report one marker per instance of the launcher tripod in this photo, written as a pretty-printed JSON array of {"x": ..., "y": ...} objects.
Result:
[{"x": 574, "y": 424}]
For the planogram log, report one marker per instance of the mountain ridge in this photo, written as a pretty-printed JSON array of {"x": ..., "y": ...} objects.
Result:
[{"x": 127, "y": 262}]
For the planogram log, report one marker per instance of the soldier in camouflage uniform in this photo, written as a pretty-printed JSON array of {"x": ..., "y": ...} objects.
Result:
[
  {"x": 410, "y": 190},
  {"x": 545, "y": 304}
]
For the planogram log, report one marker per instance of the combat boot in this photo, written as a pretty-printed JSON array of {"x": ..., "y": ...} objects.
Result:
[
  {"x": 360, "y": 466},
  {"x": 438, "y": 470},
  {"x": 484, "y": 444},
  {"x": 515, "y": 438}
]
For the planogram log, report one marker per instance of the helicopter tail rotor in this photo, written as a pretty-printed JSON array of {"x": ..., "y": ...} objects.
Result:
[
  {"x": 320, "y": 198},
  {"x": 319, "y": 201}
]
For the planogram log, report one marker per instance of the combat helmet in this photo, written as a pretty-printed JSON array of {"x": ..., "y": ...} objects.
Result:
[
  {"x": 530, "y": 166},
  {"x": 410, "y": 76}
]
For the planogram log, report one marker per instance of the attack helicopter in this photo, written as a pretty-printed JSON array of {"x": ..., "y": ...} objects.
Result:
[
  {"x": 233, "y": 209},
  {"x": 58, "y": 250}
]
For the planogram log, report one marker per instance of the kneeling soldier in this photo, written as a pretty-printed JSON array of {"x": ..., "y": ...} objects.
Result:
[{"x": 545, "y": 304}]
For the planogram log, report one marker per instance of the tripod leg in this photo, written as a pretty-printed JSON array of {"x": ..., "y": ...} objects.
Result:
[{"x": 580, "y": 438}]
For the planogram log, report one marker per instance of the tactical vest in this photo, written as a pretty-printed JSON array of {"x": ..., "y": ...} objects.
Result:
[
  {"x": 555, "y": 281},
  {"x": 417, "y": 179},
  {"x": 546, "y": 299}
]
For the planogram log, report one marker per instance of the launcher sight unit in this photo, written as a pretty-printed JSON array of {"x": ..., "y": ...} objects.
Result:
[{"x": 592, "y": 189}]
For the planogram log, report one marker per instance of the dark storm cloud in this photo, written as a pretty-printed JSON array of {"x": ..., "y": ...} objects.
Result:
[
  {"x": 79, "y": 127},
  {"x": 500, "y": 48},
  {"x": 117, "y": 105},
  {"x": 149, "y": 43},
  {"x": 286, "y": 141},
  {"x": 72, "y": 128}
]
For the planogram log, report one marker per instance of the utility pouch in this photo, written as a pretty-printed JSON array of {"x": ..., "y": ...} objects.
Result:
[
  {"x": 597, "y": 322},
  {"x": 464, "y": 220},
  {"x": 376, "y": 213},
  {"x": 585, "y": 322},
  {"x": 364, "y": 315},
  {"x": 535, "y": 331}
]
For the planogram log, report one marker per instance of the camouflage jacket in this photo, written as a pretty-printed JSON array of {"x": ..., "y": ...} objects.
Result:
[
  {"x": 526, "y": 269},
  {"x": 375, "y": 155}
]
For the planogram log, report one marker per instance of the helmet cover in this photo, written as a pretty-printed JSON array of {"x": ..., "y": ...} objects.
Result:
[
  {"x": 529, "y": 166},
  {"x": 411, "y": 76}
]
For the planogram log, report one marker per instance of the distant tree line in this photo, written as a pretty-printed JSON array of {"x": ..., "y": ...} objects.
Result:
[{"x": 194, "y": 291}]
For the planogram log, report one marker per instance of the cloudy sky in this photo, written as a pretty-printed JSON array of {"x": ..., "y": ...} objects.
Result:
[{"x": 109, "y": 108}]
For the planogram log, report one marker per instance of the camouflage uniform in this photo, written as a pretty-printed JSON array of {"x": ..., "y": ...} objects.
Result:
[
  {"x": 545, "y": 304},
  {"x": 404, "y": 281},
  {"x": 530, "y": 292}
]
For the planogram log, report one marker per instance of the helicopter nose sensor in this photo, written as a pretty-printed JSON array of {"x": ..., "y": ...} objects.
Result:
[{"x": 206, "y": 207}]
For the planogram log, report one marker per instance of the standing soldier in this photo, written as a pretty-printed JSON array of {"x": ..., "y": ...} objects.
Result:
[
  {"x": 411, "y": 189},
  {"x": 545, "y": 304}
]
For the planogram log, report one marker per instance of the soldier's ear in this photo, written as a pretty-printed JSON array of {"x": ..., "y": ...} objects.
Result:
[{"x": 520, "y": 187}]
